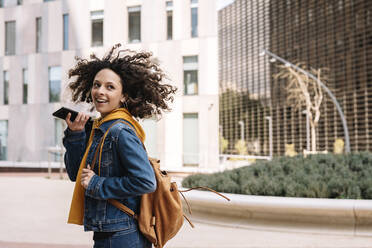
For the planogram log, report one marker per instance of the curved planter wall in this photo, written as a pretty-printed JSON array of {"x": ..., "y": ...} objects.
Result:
[{"x": 315, "y": 215}]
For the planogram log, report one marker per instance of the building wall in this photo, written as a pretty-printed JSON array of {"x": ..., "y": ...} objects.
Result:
[
  {"x": 334, "y": 35},
  {"x": 31, "y": 127},
  {"x": 244, "y": 31}
]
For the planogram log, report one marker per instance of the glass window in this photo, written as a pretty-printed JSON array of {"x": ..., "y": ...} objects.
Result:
[
  {"x": 58, "y": 134},
  {"x": 38, "y": 34},
  {"x": 169, "y": 20},
  {"x": 58, "y": 131},
  {"x": 194, "y": 18},
  {"x": 25, "y": 85},
  {"x": 190, "y": 139},
  {"x": 6, "y": 87},
  {"x": 150, "y": 126},
  {"x": 134, "y": 21},
  {"x": 190, "y": 75},
  {"x": 65, "y": 32},
  {"x": 10, "y": 37},
  {"x": 3, "y": 139},
  {"x": 10, "y": 3},
  {"x": 97, "y": 27},
  {"x": 54, "y": 83}
]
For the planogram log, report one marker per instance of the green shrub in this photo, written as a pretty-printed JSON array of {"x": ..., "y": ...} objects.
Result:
[{"x": 318, "y": 176}]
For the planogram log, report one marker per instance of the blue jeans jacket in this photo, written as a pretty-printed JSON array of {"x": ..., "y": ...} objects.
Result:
[{"x": 125, "y": 175}]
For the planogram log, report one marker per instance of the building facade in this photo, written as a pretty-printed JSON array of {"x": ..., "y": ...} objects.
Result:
[
  {"x": 41, "y": 39},
  {"x": 333, "y": 35}
]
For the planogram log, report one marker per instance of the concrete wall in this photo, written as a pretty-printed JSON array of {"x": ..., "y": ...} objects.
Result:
[{"x": 311, "y": 215}]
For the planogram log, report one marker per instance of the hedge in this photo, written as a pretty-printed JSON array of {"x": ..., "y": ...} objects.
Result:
[{"x": 317, "y": 176}]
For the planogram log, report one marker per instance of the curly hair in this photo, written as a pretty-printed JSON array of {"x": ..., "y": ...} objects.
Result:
[{"x": 140, "y": 76}]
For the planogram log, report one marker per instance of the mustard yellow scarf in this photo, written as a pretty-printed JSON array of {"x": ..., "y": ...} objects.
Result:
[{"x": 76, "y": 214}]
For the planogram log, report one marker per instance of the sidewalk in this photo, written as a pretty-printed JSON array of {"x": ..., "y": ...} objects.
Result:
[{"x": 33, "y": 213}]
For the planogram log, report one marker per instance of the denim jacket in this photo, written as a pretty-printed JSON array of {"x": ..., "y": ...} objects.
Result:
[{"x": 125, "y": 175}]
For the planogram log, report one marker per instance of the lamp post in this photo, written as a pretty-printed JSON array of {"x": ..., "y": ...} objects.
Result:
[
  {"x": 270, "y": 135},
  {"x": 333, "y": 98}
]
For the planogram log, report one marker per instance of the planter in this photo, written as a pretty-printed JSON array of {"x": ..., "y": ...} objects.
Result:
[{"x": 338, "y": 216}]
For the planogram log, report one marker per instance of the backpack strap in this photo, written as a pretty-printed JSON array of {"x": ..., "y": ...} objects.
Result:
[
  {"x": 122, "y": 207},
  {"x": 206, "y": 188},
  {"x": 114, "y": 202}
]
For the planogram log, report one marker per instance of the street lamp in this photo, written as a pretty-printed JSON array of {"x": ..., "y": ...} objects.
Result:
[
  {"x": 333, "y": 98},
  {"x": 270, "y": 135}
]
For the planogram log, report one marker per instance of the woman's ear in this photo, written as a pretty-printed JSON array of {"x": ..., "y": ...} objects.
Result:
[
  {"x": 123, "y": 102},
  {"x": 124, "y": 97}
]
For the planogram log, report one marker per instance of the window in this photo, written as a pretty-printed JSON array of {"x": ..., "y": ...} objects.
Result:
[
  {"x": 134, "y": 21},
  {"x": 58, "y": 135},
  {"x": 190, "y": 139},
  {"x": 10, "y": 3},
  {"x": 3, "y": 139},
  {"x": 169, "y": 20},
  {"x": 194, "y": 18},
  {"x": 65, "y": 32},
  {"x": 6, "y": 87},
  {"x": 190, "y": 75},
  {"x": 10, "y": 38},
  {"x": 58, "y": 131},
  {"x": 97, "y": 27},
  {"x": 25, "y": 85},
  {"x": 54, "y": 83},
  {"x": 150, "y": 126},
  {"x": 38, "y": 34},
  {"x": 48, "y": 0}
]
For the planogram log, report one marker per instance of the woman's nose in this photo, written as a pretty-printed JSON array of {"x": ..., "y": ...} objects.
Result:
[{"x": 100, "y": 90}]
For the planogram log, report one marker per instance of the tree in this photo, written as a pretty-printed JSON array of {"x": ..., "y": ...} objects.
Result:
[
  {"x": 241, "y": 147},
  {"x": 304, "y": 91}
]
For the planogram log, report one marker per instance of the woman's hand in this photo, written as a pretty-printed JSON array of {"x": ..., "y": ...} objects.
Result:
[
  {"x": 79, "y": 123},
  {"x": 86, "y": 176}
]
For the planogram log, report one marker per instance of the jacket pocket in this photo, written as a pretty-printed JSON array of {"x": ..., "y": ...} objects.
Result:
[{"x": 107, "y": 153}]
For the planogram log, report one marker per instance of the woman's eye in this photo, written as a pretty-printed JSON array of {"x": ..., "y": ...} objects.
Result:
[
  {"x": 110, "y": 87},
  {"x": 96, "y": 85}
]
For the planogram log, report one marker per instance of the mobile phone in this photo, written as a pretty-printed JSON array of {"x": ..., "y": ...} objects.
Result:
[{"x": 62, "y": 113}]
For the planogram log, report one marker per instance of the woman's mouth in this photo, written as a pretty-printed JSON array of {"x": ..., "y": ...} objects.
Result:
[{"x": 101, "y": 101}]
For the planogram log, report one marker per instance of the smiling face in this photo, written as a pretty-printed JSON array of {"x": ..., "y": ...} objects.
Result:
[{"x": 107, "y": 91}]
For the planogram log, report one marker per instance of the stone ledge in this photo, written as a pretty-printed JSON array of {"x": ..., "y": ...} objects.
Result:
[
  {"x": 314, "y": 215},
  {"x": 39, "y": 165}
]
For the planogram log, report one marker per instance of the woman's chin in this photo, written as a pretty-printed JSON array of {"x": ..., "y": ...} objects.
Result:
[
  {"x": 101, "y": 111},
  {"x": 104, "y": 112}
]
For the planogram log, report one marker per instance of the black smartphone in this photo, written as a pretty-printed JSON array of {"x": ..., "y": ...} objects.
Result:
[{"x": 62, "y": 113}]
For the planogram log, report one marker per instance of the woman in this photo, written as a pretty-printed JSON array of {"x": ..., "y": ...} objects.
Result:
[{"x": 122, "y": 85}]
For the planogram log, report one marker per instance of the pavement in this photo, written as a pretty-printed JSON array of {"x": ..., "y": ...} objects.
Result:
[{"x": 34, "y": 209}]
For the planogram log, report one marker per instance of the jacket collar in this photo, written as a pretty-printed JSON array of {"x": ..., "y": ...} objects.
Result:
[
  {"x": 120, "y": 113},
  {"x": 104, "y": 126}
]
